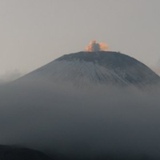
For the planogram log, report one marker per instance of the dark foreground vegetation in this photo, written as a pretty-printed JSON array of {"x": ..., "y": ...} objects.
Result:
[{"x": 20, "y": 153}]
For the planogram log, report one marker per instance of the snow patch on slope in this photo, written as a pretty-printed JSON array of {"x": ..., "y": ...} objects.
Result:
[{"x": 77, "y": 72}]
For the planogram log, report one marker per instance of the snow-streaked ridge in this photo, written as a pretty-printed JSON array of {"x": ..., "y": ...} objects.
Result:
[{"x": 97, "y": 68}]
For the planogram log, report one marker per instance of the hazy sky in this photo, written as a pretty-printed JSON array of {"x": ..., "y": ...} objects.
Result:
[{"x": 35, "y": 32}]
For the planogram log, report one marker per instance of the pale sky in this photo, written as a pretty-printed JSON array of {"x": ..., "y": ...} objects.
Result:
[{"x": 35, "y": 32}]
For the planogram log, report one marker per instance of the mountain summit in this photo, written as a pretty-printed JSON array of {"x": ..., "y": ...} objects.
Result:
[{"x": 101, "y": 67}]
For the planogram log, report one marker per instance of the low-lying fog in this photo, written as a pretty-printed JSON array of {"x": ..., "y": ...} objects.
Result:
[{"x": 65, "y": 120}]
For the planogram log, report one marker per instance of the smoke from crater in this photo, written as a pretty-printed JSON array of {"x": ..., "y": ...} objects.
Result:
[{"x": 95, "y": 46}]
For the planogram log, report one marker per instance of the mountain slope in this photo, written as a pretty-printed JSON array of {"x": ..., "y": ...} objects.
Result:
[{"x": 96, "y": 67}]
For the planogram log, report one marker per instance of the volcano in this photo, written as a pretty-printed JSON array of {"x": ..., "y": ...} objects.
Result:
[
  {"x": 101, "y": 67},
  {"x": 101, "y": 122}
]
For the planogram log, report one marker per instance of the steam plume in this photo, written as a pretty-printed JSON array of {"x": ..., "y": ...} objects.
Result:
[{"x": 94, "y": 46}]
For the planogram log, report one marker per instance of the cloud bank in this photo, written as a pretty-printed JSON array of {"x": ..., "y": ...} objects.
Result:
[
  {"x": 100, "y": 121},
  {"x": 10, "y": 76}
]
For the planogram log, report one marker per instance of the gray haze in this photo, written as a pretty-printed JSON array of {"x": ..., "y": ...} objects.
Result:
[
  {"x": 10, "y": 76},
  {"x": 36, "y": 32},
  {"x": 95, "y": 121}
]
